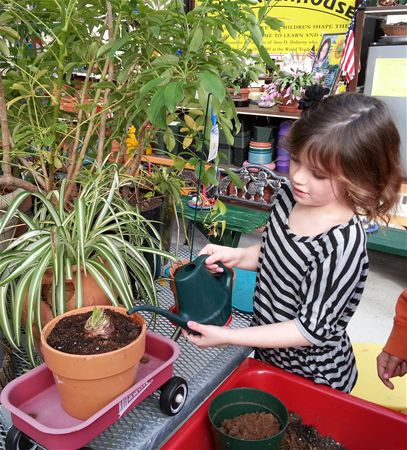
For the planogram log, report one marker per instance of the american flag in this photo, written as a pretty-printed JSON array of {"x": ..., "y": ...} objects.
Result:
[{"x": 347, "y": 63}]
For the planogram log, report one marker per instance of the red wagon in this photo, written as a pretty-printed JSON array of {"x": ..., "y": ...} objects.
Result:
[{"x": 37, "y": 414}]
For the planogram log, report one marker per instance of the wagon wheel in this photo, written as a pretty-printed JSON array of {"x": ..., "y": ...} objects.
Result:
[
  {"x": 17, "y": 440},
  {"x": 173, "y": 395}
]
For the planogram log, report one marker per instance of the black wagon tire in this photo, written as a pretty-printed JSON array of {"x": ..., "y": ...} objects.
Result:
[
  {"x": 17, "y": 440},
  {"x": 173, "y": 395}
]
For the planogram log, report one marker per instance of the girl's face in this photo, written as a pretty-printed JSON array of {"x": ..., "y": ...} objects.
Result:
[{"x": 312, "y": 186}]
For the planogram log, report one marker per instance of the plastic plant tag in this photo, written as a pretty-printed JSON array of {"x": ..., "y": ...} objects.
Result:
[{"x": 214, "y": 138}]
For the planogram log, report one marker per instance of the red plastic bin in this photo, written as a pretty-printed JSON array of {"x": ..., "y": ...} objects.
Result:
[{"x": 355, "y": 423}]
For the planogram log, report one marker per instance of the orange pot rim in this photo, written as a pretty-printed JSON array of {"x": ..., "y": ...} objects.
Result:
[{"x": 51, "y": 324}]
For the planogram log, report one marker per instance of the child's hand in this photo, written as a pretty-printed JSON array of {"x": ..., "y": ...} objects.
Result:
[
  {"x": 209, "y": 335},
  {"x": 227, "y": 255},
  {"x": 389, "y": 366}
]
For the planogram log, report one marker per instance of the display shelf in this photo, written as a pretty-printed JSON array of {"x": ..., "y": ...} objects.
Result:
[
  {"x": 386, "y": 10},
  {"x": 254, "y": 110}
]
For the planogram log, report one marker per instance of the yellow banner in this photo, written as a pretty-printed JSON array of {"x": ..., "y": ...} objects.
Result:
[{"x": 305, "y": 21}]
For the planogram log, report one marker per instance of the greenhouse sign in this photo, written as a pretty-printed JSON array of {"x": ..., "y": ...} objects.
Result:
[{"x": 305, "y": 21}]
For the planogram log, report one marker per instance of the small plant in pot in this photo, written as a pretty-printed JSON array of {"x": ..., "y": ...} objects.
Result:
[
  {"x": 288, "y": 86},
  {"x": 94, "y": 354},
  {"x": 102, "y": 239},
  {"x": 240, "y": 79}
]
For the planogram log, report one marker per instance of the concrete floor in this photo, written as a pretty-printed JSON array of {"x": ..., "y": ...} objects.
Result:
[{"x": 387, "y": 278}]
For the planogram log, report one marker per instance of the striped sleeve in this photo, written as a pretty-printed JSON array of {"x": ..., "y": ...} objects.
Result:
[{"x": 333, "y": 287}]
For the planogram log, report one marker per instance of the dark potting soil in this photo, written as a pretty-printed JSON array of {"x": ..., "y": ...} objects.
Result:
[
  {"x": 300, "y": 436},
  {"x": 69, "y": 334},
  {"x": 262, "y": 425}
]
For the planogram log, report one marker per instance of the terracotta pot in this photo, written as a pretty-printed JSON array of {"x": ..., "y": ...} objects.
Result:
[
  {"x": 288, "y": 107},
  {"x": 241, "y": 96},
  {"x": 93, "y": 294},
  {"x": 174, "y": 267},
  {"x": 86, "y": 383},
  {"x": 293, "y": 108}
]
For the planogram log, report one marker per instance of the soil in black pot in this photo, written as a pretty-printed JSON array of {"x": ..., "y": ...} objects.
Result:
[
  {"x": 251, "y": 426},
  {"x": 69, "y": 334}
]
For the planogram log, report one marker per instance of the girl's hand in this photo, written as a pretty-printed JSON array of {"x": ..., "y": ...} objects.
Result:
[
  {"x": 227, "y": 255},
  {"x": 209, "y": 335}
]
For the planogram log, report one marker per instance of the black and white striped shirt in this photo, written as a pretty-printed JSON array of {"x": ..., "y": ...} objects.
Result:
[{"x": 317, "y": 282}]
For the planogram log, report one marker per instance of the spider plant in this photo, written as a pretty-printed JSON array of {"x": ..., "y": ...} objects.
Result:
[{"x": 102, "y": 235}]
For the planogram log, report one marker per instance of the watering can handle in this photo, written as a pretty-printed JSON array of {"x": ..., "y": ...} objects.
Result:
[{"x": 227, "y": 274}]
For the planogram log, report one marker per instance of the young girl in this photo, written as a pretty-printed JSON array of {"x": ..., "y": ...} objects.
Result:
[{"x": 312, "y": 263}]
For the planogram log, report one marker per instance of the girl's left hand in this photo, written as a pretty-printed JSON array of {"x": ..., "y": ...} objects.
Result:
[{"x": 209, "y": 335}]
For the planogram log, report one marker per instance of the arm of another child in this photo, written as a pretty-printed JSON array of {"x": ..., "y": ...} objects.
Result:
[{"x": 392, "y": 361}]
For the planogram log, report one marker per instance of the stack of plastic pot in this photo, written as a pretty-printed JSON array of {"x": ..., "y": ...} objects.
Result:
[
  {"x": 283, "y": 156},
  {"x": 260, "y": 147},
  {"x": 260, "y": 152}
]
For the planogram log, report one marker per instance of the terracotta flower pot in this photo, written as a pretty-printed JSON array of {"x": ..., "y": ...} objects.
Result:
[
  {"x": 293, "y": 107},
  {"x": 93, "y": 295},
  {"x": 86, "y": 383},
  {"x": 241, "y": 96}
]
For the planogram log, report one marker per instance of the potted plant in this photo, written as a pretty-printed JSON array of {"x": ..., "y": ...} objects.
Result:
[
  {"x": 102, "y": 240},
  {"x": 241, "y": 78},
  {"x": 72, "y": 84},
  {"x": 99, "y": 361},
  {"x": 288, "y": 86}
]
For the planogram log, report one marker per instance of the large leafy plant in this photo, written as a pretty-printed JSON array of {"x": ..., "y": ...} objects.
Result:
[
  {"x": 143, "y": 64},
  {"x": 101, "y": 235}
]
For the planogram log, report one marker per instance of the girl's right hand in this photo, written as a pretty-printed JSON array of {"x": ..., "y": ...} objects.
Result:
[{"x": 227, "y": 255}]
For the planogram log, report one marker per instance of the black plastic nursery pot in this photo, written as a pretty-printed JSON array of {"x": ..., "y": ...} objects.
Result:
[{"x": 235, "y": 402}]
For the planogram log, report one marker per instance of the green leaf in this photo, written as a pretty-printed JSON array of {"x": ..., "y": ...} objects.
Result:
[
  {"x": 101, "y": 275},
  {"x": 155, "y": 82},
  {"x": 273, "y": 22},
  {"x": 170, "y": 60},
  {"x": 156, "y": 110},
  {"x": 26, "y": 264},
  {"x": 112, "y": 47},
  {"x": 4, "y": 317},
  {"x": 235, "y": 178},
  {"x": 104, "y": 85},
  {"x": 196, "y": 40},
  {"x": 4, "y": 50},
  {"x": 213, "y": 84},
  {"x": 169, "y": 138},
  {"x": 19, "y": 300},
  {"x": 266, "y": 57},
  {"x": 173, "y": 94},
  {"x": 256, "y": 34}
]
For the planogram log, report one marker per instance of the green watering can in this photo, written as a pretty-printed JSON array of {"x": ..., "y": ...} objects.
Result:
[{"x": 202, "y": 296}]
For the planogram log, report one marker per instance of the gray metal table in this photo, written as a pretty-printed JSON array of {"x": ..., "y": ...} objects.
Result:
[{"x": 146, "y": 427}]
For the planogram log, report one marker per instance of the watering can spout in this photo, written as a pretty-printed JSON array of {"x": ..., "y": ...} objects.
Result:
[{"x": 179, "y": 320}]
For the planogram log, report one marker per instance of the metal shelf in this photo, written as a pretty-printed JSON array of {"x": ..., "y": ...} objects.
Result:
[{"x": 386, "y": 10}]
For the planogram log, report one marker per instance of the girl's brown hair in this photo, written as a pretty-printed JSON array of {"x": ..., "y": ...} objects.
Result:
[{"x": 353, "y": 138}]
